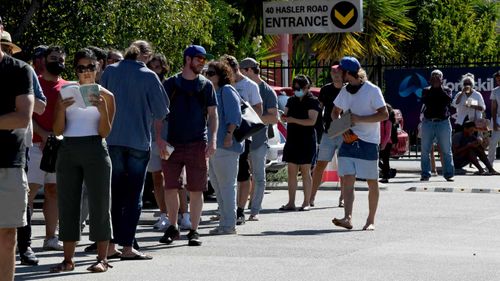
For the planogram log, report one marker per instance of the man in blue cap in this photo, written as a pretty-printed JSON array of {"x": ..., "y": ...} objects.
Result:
[
  {"x": 193, "y": 108},
  {"x": 358, "y": 154}
]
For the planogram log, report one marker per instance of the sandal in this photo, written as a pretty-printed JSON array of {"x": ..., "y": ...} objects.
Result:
[
  {"x": 99, "y": 266},
  {"x": 287, "y": 208},
  {"x": 63, "y": 266}
]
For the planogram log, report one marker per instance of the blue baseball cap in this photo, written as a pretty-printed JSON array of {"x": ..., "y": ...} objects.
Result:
[
  {"x": 196, "y": 50},
  {"x": 350, "y": 64}
]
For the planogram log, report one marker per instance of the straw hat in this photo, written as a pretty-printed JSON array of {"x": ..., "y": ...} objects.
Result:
[{"x": 7, "y": 40}]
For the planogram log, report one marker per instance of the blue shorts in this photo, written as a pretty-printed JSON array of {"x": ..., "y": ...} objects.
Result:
[
  {"x": 359, "y": 158},
  {"x": 328, "y": 146}
]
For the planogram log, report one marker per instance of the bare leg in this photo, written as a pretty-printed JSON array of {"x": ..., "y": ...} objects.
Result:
[
  {"x": 373, "y": 195},
  {"x": 34, "y": 187},
  {"x": 7, "y": 253},
  {"x": 306, "y": 183},
  {"x": 172, "y": 201},
  {"x": 196, "y": 205},
  {"x": 317, "y": 179},
  {"x": 69, "y": 250},
  {"x": 243, "y": 193},
  {"x": 159, "y": 186},
  {"x": 102, "y": 250},
  {"x": 50, "y": 210},
  {"x": 292, "y": 183},
  {"x": 348, "y": 196},
  {"x": 341, "y": 197}
]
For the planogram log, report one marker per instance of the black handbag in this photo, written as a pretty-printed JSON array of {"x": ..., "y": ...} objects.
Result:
[
  {"x": 49, "y": 154},
  {"x": 250, "y": 125}
]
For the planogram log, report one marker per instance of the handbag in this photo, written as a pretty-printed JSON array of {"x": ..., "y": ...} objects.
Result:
[
  {"x": 251, "y": 123},
  {"x": 49, "y": 154}
]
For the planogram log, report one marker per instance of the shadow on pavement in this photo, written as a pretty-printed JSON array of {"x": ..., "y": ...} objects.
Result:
[{"x": 304, "y": 232}]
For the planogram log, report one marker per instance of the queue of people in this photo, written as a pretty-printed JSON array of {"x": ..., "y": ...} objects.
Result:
[{"x": 181, "y": 128}]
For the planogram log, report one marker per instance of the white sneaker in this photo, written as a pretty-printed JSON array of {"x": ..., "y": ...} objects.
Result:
[
  {"x": 53, "y": 244},
  {"x": 222, "y": 231},
  {"x": 185, "y": 221},
  {"x": 163, "y": 223}
]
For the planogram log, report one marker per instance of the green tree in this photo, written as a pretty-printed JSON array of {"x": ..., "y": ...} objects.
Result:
[
  {"x": 170, "y": 25},
  {"x": 458, "y": 30}
]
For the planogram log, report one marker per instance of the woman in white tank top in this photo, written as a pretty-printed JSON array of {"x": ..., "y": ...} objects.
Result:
[{"x": 83, "y": 157}]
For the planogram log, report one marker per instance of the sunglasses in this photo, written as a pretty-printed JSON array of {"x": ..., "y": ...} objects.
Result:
[
  {"x": 202, "y": 59},
  {"x": 85, "y": 68},
  {"x": 467, "y": 84},
  {"x": 210, "y": 73}
]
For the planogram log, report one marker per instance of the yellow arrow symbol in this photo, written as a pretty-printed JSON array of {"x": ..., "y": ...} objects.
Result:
[{"x": 344, "y": 19}]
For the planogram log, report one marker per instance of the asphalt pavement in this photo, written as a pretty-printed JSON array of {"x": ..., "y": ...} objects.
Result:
[{"x": 434, "y": 230}]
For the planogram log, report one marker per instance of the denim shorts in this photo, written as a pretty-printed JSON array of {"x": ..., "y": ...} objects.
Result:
[
  {"x": 359, "y": 158},
  {"x": 328, "y": 146}
]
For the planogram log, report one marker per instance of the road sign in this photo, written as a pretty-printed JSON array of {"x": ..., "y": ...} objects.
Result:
[{"x": 313, "y": 16}]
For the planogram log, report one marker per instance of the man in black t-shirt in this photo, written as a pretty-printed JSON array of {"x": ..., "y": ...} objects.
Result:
[
  {"x": 16, "y": 109},
  {"x": 328, "y": 146},
  {"x": 436, "y": 125}
]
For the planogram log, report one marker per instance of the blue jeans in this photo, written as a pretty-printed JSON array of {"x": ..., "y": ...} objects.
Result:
[
  {"x": 258, "y": 160},
  {"x": 223, "y": 169},
  {"x": 127, "y": 184},
  {"x": 441, "y": 131}
]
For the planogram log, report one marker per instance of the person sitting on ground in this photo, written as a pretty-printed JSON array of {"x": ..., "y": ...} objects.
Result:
[{"x": 467, "y": 148}]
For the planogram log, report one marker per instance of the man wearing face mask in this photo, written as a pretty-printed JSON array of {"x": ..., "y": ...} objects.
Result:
[
  {"x": 51, "y": 83},
  {"x": 469, "y": 103},
  {"x": 436, "y": 125},
  {"x": 358, "y": 154}
]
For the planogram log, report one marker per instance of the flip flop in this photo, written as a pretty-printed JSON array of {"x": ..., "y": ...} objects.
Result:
[
  {"x": 287, "y": 208},
  {"x": 114, "y": 256},
  {"x": 304, "y": 209},
  {"x": 342, "y": 223},
  {"x": 369, "y": 227},
  {"x": 137, "y": 257},
  {"x": 63, "y": 266}
]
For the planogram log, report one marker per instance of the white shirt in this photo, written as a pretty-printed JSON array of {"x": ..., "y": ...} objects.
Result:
[
  {"x": 249, "y": 91},
  {"x": 82, "y": 122},
  {"x": 465, "y": 111},
  {"x": 363, "y": 103}
]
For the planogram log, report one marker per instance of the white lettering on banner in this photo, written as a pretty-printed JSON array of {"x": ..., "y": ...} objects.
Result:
[
  {"x": 480, "y": 85},
  {"x": 312, "y": 16}
]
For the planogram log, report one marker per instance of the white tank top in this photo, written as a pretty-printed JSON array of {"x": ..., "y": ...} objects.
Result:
[{"x": 82, "y": 122}]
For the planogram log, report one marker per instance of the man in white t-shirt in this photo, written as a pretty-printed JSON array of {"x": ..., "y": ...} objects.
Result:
[
  {"x": 249, "y": 92},
  {"x": 495, "y": 119},
  {"x": 358, "y": 154}
]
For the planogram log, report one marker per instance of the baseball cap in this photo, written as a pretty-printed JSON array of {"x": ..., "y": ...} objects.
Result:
[
  {"x": 7, "y": 40},
  {"x": 196, "y": 50},
  {"x": 249, "y": 63},
  {"x": 350, "y": 64},
  {"x": 39, "y": 51}
]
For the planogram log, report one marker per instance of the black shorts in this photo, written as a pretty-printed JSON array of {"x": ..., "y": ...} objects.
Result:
[{"x": 244, "y": 165}]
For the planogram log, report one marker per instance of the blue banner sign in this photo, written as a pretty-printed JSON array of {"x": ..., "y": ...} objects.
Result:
[{"x": 404, "y": 88}]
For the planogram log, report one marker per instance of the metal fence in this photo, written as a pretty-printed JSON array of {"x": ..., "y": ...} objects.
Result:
[{"x": 280, "y": 73}]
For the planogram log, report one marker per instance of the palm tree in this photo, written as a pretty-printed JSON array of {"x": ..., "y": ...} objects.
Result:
[{"x": 386, "y": 27}]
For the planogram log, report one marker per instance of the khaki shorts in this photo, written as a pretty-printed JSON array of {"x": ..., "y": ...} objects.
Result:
[
  {"x": 13, "y": 197},
  {"x": 35, "y": 175}
]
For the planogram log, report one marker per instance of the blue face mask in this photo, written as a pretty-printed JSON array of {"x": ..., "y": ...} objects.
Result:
[{"x": 299, "y": 93}]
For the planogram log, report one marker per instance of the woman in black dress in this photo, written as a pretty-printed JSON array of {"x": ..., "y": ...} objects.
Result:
[{"x": 301, "y": 112}]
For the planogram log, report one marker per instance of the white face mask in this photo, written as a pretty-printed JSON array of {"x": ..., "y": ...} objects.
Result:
[{"x": 299, "y": 93}]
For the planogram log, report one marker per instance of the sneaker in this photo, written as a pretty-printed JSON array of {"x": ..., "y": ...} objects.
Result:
[
  {"x": 185, "y": 221},
  {"x": 424, "y": 179},
  {"x": 253, "y": 218},
  {"x": 222, "y": 231},
  {"x": 91, "y": 248},
  {"x": 240, "y": 219},
  {"x": 383, "y": 180},
  {"x": 193, "y": 238},
  {"x": 162, "y": 224},
  {"x": 450, "y": 179},
  {"x": 171, "y": 234},
  {"x": 52, "y": 244},
  {"x": 215, "y": 217},
  {"x": 28, "y": 257}
]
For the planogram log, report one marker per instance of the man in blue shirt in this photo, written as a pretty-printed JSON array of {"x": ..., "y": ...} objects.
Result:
[
  {"x": 193, "y": 108},
  {"x": 139, "y": 97}
]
